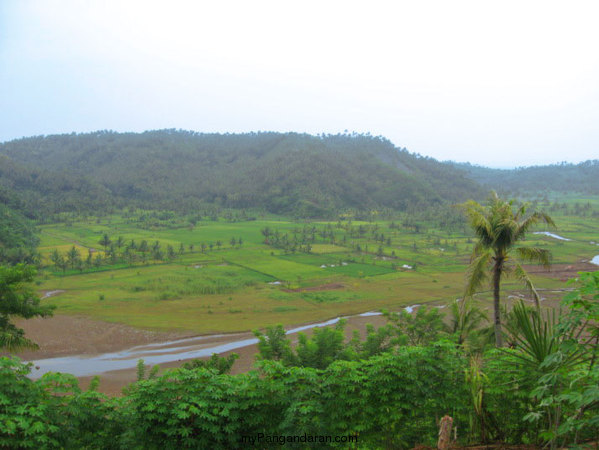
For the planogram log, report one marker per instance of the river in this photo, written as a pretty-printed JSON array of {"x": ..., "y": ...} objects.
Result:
[{"x": 163, "y": 352}]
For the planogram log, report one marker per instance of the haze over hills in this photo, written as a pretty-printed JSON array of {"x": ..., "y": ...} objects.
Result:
[
  {"x": 286, "y": 173},
  {"x": 564, "y": 177}
]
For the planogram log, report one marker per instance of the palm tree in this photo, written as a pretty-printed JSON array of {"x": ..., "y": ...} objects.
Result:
[
  {"x": 499, "y": 229},
  {"x": 105, "y": 242},
  {"x": 466, "y": 322}
]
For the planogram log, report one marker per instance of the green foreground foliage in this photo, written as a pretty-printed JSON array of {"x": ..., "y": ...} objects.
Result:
[
  {"x": 543, "y": 391},
  {"x": 17, "y": 298},
  {"x": 388, "y": 400}
]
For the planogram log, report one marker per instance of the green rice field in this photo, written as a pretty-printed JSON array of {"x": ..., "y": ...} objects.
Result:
[{"x": 214, "y": 284}]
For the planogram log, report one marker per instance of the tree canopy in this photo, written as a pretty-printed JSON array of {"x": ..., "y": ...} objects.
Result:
[
  {"x": 18, "y": 299},
  {"x": 291, "y": 173}
]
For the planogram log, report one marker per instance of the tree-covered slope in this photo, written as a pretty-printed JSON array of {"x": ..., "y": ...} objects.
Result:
[
  {"x": 582, "y": 177},
  {"x": 18, "y": 240},
  {"x": 38, "y": 192},
  {"x": 284, "y": 173}
]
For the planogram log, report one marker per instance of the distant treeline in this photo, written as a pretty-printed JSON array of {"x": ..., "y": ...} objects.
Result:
[{"x": 564, "y": 177}]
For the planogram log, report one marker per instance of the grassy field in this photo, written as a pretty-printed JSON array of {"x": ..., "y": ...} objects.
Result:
[{"x": 222, "y": 286}]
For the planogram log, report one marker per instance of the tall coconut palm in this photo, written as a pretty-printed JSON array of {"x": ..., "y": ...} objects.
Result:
[{"x": 500, "y": 226}]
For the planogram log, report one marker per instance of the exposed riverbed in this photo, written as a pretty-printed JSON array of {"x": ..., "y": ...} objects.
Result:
[{"x": 165, "y": 352}]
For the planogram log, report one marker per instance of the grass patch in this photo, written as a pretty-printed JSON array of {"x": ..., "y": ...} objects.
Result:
[
  {"x": 329, "y": 297},
  {"x": 230, "y": 291},
  {"x": 358, "y": 270},
  {"x": 283, "y": 309}
]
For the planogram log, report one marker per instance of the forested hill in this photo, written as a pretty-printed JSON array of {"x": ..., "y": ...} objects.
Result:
[
  {"x": 583, "y": 177},
  {"x": 283, "y": 173}
]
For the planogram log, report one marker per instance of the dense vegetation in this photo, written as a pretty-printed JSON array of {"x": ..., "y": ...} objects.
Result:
[
  {"x": 17, "y": 298},
  {"x": 288, "y": 173},
  {"x": 544, "y": 390},
  {"x": 297, "y": 174},
  {"x": 38, "y": 192},
  {"x": 564, "y": 177},
  {"x": 18, "y": 239}
]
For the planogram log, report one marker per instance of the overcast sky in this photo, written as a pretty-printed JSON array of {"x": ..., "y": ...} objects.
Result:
[{"x": 502, "y": 83}]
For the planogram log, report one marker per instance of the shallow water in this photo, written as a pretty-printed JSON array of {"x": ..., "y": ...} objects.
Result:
[
  {"x": 410, "y": 308},
  {"x": 553, "y": 235},
  {"x": 51, "y": 293},
  {"x": 162, "y": 352},
  {"x": 83, "y": 366}
]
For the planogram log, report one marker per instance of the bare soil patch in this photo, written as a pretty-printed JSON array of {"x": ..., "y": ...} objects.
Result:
[
  {"x": 562, "y": 272},
  {"x": 322, "y": 287},
  {"x": 63, "y": 335}
]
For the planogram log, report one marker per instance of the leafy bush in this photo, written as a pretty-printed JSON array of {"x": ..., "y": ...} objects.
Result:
[{"x": 392, "y": 399}]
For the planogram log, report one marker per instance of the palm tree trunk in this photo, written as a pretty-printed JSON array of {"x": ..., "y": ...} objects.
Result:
[{"x": 497, "y": 311}]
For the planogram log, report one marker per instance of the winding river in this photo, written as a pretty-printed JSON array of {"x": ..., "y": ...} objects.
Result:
[{"x": 163, "y": 352}]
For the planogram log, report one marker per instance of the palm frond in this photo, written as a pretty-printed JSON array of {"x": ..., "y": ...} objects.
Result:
[
  {"x": 521, "y": 211},
  {"x": 13, "y": 342},
  {"x": 532, "y": 220},
  {"x": 477, "y": 218},
  {"x": 479, "y": 247},
  {"x": 478, "y": 272},
  {"x": 535, "y": 254},
  {"x": 523, "y": 276},
  {"x": 533, "y": 335},
  {"x": 536, "y": 336},
  {"x": 505, "y": 232}
]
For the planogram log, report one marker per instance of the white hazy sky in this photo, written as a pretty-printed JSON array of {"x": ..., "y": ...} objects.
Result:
[{"x": 502, "y": 83}]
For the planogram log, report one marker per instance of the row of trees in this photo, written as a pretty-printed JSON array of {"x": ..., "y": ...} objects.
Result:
[{"x": 130, "y": 252}]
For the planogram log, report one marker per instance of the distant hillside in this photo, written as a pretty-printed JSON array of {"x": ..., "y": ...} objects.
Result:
[
  {"x": 37, "y": 192},
  {"x": 282, "y": 173},
  {"x": 583, "y": 177},
  {"x": 17, "y": 237}
]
